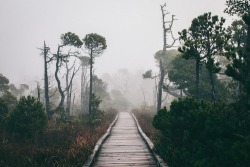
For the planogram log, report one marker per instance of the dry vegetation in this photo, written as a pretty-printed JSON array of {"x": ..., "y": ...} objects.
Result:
[
  {"x": 61, "y": 145},
  {"x": 145, "y": 119}
]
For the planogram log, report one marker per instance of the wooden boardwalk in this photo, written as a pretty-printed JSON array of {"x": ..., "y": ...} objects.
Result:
[{"x": 124, "y": 146}]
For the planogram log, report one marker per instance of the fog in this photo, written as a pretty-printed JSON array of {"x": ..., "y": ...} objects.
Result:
[{"x": 132, "y": 29}]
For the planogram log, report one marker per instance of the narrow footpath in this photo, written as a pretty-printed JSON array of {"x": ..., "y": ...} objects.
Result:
[{"x": 124, "y": 146}]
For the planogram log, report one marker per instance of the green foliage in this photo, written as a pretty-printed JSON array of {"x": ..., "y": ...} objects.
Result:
[
  {"x": 95, "y": 43},
  {"x": 167, "y": 58},
  {"x": 7, "y": 104},
  {"x": 239, "y": 7},
  {"x": 9, "y": 99},
  {"x": 18, "y": 91},
  {"x": 4, "y": 110},
  {"x": 3, "y": 83},
  {"x": 28, "y": 117},
  {"x": 203, "y": 41},
  {"x": 100, "y": 90},
  {"x": 96, "y": 115},
  {"x": 147, "y": 75},
  {"x": 71, "y": 39},
  {"x": 238, "y": 52},
  {"x": 201, "y": 134},
  {"x": 182, "y": 74}
]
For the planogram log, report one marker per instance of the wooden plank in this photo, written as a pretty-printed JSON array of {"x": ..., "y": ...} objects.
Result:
[{"x": 124, "y": 147}]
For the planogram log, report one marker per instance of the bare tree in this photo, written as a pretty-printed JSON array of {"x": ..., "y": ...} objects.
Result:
[
  {"x": 69, "y": 84},
  {"x": 167, "y": 31},
  {"x": 85, "y": 65},
  {"x": 68, "y": 39},
  {"x": 47, "y": 60}
]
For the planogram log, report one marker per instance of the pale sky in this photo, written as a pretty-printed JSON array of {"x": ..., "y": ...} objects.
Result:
[{"x": 132, "y": 28}]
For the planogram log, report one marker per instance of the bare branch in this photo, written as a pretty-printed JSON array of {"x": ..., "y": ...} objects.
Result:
[{"x": 53, "y": 94}]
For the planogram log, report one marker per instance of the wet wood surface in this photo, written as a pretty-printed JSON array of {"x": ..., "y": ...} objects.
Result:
[{"x": 124, "y": 146}]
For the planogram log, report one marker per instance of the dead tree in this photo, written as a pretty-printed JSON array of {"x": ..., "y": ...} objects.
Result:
[
  {"x": 69, "y": 84},
  {"x": 67, "y": 39},
  {"x": 47, "y": 60},
  {"x": 84, "y": 97},
  {"x": 167, "y": 31}
]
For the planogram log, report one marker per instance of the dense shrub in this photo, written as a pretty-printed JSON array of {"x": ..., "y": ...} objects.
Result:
[
  {"x": 3, "y": 112},
  {"x": 28, "y": 117},
  {"x": 201, "y": 134}
]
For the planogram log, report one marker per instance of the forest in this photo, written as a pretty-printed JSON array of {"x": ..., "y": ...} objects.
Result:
[{"x": 200, "y": 116}]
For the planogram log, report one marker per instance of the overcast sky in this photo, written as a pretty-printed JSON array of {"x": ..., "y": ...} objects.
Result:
[{"x": 132, "y": 29}]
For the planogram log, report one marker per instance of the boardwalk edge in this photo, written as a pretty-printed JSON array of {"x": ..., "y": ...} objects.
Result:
[
  {"x": 98, "y": 145},
  {"x": 150, "y": 145}
]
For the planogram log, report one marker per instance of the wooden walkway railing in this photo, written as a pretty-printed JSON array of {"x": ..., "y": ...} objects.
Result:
[{"x": 124, "y": 146}]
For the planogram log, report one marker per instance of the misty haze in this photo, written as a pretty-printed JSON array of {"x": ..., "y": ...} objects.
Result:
[{"x": 125, "y": 83}]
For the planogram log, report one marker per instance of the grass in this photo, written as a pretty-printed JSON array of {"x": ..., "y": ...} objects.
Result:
[{"x": 64, "y": 145}]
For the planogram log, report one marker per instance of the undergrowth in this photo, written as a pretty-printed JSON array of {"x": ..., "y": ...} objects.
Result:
[
  {"x": 145, "y": 119},
  {"x": 61, "y": 145}
]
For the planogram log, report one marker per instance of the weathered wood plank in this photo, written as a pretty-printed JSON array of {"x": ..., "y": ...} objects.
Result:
[{"x": 124, "y": 147}]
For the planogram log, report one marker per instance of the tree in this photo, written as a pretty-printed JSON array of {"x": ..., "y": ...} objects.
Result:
[
  {"x": 167, "y": 31},
  {"x": 4, "y": 83},
  {"x": 203, "y": 41},
  {"x": 85, "y": 60},
  {"x": 4, "y": 110},
  {"x": 67, "y": 39},
  {"x": 28, "y": 117},
  {"x": 18, "y": 92},
  {"x": 69, "y": 76},
  {"x": 95, "y": 44},
  {"x": 182, "y": 74},
  {"x": 166, "y": 63},
  {"x": 10, "y": 99},
  {"x": 46, "y": 61},
  {"x": 237, "y": 43},
  {"x": 239, "y": 69},
  {"x": 100, "y": 90}
]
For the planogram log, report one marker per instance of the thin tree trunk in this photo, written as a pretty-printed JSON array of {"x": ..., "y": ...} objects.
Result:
[
  {"x": 160, "y": 85},
  {"x": 197, "y": 79},
  {"x": 67, "y": 88},
  {"x": 46, "y": 81},
  {"x": 211, "y": 76},
  {"x": 60, "y": 105},
  {"x": 82, "y": 88},
  {"x": 90, "y": 83}
]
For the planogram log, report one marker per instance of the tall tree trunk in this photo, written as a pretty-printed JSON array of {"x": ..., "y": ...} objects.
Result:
[
  {"x": 166, "y": 30},
  {"x": 46, "y": 80},
  {"x": 58, "y": 59},
  {"x": 69, "y": 84},
  {"x": 211, "y": 76},
  {"x": 160, "y": 85},
  {"x": 67, "y": 88},
  {"x": 82, "y": 88},
  {"x": 90, "y": 82},
  {"x": 197, "y": 79},
  {"x": 73, "y": 104}
]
